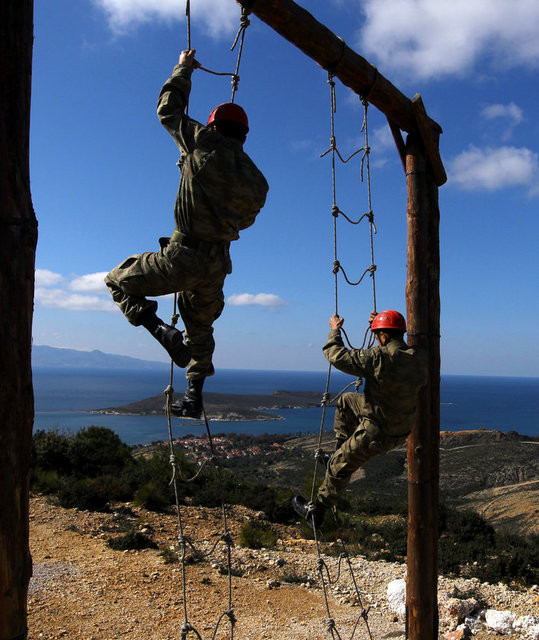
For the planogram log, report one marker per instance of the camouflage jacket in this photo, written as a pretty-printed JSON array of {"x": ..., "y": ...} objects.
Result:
[
  {"x": 393, "y": 374},
  {"x": 221, "y": 190}
]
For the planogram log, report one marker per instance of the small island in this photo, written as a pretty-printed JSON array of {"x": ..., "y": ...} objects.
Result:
[{"x": 225, "y": 406}]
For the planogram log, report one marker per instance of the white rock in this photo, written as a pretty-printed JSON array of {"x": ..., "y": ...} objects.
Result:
[
  {"x": 500, "y": 621},
  {"x": 474, "y": 624},
  {"x": 396, "y": 596},
  {"x": 528, "y": 625}
]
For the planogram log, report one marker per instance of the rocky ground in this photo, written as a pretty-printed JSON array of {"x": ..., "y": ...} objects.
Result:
[{"x": 84, "y": 590}]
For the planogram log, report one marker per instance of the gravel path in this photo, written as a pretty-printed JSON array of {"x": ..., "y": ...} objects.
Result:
[{"x": 84, "y": 590}]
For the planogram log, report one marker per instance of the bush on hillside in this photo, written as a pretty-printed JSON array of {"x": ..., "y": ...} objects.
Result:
[
  {"x": 257, "y": 537},
  {"x": 97, "y": 451}
]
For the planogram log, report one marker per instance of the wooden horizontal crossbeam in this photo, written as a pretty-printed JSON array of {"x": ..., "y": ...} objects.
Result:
[{"x": 300, "y": 28}]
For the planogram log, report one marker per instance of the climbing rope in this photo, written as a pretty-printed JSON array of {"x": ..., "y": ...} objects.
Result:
[
  {"x": 183, "y": 541},
  {"x": 325, "y": 578},
  {"x": 240, "y": 37}
]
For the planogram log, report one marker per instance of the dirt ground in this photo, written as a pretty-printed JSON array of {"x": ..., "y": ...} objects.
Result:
[{"x": 84, "y": 590}]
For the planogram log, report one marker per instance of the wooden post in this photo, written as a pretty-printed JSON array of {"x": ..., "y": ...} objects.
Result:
[
  {"x": 423, "y": 311},
  {"x": 18, "y": 235}
]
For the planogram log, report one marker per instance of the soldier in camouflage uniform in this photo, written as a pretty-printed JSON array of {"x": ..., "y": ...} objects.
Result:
[
  {"x": 378, "y": 420},
  {"x": 221, "y": 192}
]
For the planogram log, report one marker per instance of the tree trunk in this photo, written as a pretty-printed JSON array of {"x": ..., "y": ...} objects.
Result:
[
  {"x": 18, "y": 237},
  {"x": 423, "y": 311}
]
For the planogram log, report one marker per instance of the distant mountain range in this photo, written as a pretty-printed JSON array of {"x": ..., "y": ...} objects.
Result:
[{"x": 44, "y": 356}]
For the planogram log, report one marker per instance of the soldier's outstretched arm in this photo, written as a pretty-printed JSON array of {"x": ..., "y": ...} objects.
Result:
[{"x": 173, "y": 100}]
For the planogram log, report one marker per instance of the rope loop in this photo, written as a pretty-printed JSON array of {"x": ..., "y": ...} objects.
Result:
[
  {"x": 227, "y": 539},
  {"x": 231, "y": 616},
  {"x": 187, "y": 627},
  {"x": 244, "y": 23}
]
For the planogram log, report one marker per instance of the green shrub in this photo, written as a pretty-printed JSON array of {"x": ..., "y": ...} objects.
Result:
[
  {"x": 46, "y": 482},
  {"x": 256, "y": 537},
  {"x": 87, "y": 494},
  {"x": 291, "y": 576},
  {"x": 132, "y": 540},
  {"x": 151, "y": 498},
  {"x": 50, "y": 451},
  {"x": 97, "y": 451}
]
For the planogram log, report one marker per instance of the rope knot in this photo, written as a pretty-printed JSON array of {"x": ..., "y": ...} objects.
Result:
[
  {"x": 331, "y": 624},
  {"x": 172, "y": 459},
  {"x": 168, "y": 391},
  {"x": 174, "y": 319},
  {"x": 231, "y": 616},
  {"x": 336, "y": 266},
  {"x": 364, "y": 613},
  {"x": 226, "y": 538},
  {"x": 325, "y": 399},
  {"x": 320, "y": 564},
  {"x": 370, "y": 216},
  {"x": 186, "y": 628},
  {"x": 235, "y": 81},
  {"x": 335, "y": 211}
]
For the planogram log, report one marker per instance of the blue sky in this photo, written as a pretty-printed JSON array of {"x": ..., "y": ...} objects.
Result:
[{"x": 104, "y": 173}]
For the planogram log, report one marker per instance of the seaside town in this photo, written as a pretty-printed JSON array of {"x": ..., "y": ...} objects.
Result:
[{"x": 225, "y": 448}]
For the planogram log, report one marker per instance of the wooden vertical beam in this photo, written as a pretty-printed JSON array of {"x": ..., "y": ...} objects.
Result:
[
  {"x": 423, "y": 310},
  {"x": 18, "y": 236}
]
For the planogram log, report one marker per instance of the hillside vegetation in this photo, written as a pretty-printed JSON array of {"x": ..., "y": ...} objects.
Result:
[{"x": 93, "y": 470}]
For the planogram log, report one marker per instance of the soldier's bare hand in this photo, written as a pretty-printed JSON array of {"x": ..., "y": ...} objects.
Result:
[
  {"x": 187, "y": 58},
  {"x": 336, "y": 322}
]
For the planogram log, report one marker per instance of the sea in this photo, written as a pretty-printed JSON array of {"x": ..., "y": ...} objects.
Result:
[{"x": 64, "y": 397}]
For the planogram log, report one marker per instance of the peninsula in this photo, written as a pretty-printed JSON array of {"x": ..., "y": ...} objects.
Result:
[{"x": 225, "y": 406}]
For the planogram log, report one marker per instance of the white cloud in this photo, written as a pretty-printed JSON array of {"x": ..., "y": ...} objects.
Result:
[
  {"x": 89, "y": 282},
  {"x": 61, "y": 299},
  {"x": 431, "y": 39},
  {"x": 259, "y": 299},
  {"x": 54, "y": 291},
  {"x": 217, "y": 17},
  {"x": 46, "y": 278},
  {"x": 495, "y": 168},
  {"x": 509, "y": 111}
]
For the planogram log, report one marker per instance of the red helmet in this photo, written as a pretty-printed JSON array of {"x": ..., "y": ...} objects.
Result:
[
  {"x": 231, "y": 112},
  {"x": 389, "y": 320}
]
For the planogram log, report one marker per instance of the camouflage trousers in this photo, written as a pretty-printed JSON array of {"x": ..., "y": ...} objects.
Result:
[
  {"x": 363, "y": 440},
  {"x": 196, "y": 271}
]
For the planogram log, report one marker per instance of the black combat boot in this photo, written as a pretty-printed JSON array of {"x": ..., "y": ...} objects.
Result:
[
  {"x": 313, "y": 512},
  {"x": 168, "y": 337},
  {"x": 191, "y": 404}
]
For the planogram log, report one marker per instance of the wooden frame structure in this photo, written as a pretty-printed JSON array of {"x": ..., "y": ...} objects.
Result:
[{"x": 424, "y": 171}]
